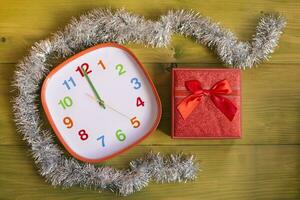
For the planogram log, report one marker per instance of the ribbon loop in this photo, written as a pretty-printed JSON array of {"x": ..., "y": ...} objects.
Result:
[
  {"x": 193, "y": 86},
  {"x": 189, "y": 103},
  {"x": 222, "y": 87}
]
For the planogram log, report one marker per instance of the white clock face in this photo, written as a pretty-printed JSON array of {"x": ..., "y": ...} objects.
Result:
[{"x": 100, "y": 102}]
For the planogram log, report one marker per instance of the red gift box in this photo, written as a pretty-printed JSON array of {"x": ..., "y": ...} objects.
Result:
[{"x": 206, "y": 103}]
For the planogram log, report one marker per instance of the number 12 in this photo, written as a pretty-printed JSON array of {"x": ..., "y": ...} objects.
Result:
[{"x": 84, "y": 67}]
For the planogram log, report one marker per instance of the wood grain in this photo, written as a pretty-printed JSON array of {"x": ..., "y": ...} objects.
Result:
[
  {"x": 233, "y": 172},
  {"x": 263, "y": 165},
  {"x": 22, "y": 24}
]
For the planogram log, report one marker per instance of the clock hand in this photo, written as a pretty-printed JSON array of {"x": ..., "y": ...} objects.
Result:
[
  {"x": 108, "y": 106},
  {"x": 99, "y": 100},
  {"x": 118, "y": 112}
]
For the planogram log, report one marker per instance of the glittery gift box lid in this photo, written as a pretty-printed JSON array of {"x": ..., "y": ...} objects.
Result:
[{"x": 206, "y": 121}]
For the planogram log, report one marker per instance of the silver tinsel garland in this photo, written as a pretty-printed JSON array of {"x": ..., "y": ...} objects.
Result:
[{"x": 101, "y": 26}]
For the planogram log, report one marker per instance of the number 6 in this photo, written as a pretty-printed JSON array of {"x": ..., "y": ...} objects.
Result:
[{"x": 120, "y": 135}]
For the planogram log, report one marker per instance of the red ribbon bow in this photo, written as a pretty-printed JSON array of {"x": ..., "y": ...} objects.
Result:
[{"x": 189, "y": 103}]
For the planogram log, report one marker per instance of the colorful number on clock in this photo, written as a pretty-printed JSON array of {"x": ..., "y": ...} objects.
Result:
[
  {"x": 120, "y": 135},
  {"x": 136, "y": 83},
  {"x": 135, "y": 122},
  {"x": 84, "y": 67},
  {"x": 71, "y": 80},
  {"x": 100, "y": 62},
  {"x": 65, "y": 102},
  {"x": 139, "y": 102},
  {"x": 101, "y": 139},
  {"x": 83, "y": 135},
  {"x": 121, "y": 69},
  {"x": 68, "y": 122}
]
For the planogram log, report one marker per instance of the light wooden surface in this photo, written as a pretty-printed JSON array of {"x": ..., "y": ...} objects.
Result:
[{"x": 265, "y": 164}]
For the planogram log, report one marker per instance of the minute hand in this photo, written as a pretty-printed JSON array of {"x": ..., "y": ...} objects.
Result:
[{"x": 100, "y": 101}]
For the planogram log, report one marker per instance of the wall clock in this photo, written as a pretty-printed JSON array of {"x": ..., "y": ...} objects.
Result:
[{"x": 100, "y": 102}]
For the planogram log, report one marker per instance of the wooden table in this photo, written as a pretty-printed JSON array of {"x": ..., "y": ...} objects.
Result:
[{"x": 265, "y": 164}]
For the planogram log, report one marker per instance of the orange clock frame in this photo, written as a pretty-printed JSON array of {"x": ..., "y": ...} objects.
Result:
[{"x": 51, "y": 121}]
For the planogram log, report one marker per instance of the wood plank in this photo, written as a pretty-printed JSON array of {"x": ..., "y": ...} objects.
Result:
[
  {"x": 271, "y": 98},
  {"x": 24, "y": 22},
  {"x": 228, "y": 172}
]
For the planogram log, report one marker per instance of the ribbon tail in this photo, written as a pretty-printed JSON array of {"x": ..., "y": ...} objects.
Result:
[
  {"x": 187, "y": 106},
  {"x": 225, "y": 106}
]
